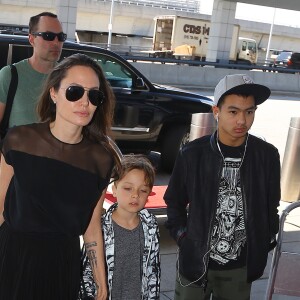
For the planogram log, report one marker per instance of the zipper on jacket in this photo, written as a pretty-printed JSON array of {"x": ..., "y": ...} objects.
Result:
[
  {"x": 208, "y": 249},
  {"x": 245, "y": 214}
]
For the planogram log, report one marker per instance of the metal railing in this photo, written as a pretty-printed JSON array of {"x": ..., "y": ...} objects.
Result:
[
  {"x": 179, "y": 5},
  {"x": 144, "y": 54},
  {"x": 239, "y": 65}
]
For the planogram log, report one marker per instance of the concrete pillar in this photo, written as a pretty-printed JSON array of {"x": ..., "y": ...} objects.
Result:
[
  {"x": 221, "y": 31},
  {"x": 66, "y": 11}
]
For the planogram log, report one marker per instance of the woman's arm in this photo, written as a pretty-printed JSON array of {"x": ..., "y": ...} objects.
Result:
[
  {"x": 6, "y": 173},
  {"x": 93, "y": 241}
]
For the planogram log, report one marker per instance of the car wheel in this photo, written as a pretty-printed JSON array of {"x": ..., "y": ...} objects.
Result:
[{"x": 173, "y": 140}]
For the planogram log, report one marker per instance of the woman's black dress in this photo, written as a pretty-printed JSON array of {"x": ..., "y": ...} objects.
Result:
[{"x": 48, "y": 205}]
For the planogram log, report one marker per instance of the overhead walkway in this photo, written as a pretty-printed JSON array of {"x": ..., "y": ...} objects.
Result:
[{"x": 177, "y": 5}]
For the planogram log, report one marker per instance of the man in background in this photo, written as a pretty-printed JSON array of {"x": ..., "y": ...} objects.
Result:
[{"x": 46, "y": 37}]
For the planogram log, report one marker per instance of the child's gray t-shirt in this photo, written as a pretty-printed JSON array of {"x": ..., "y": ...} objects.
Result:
[{"x": 127, "y": 277}]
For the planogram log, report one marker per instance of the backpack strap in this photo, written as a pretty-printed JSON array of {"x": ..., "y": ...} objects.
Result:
[{"x": 9, "y": 101}]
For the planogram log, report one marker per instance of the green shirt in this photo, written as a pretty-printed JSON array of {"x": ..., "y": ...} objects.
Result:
[{"x": 30, "y": 84}]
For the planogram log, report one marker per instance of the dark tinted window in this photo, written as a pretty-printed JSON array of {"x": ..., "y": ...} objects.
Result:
[
  {"x": 3, "y": 54},
  {"x": 20, "y": 52},
  {"x": 295, "y": 56},
  {"x": 11, "y": 53}
]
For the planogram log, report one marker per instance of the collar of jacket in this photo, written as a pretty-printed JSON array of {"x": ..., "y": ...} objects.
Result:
[
  {"x": 144, "y": 214},
  {"x": 213, "y": 143}
]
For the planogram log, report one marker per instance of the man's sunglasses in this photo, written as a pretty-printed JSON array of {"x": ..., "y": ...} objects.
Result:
[
  {"x": 75, "y": 92},
  {"x": 50, "y": 36}
]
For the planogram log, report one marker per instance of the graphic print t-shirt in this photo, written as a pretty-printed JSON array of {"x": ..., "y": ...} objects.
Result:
[{"x": 228, "y": 238}]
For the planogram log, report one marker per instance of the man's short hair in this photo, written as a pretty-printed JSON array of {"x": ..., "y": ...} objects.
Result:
[{"x": 34, "y": 20}]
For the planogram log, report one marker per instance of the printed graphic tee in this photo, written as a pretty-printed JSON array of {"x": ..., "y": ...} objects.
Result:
[{"x": 228, "y": 238}]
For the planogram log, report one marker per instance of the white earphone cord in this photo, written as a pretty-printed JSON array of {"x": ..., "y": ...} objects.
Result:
[{"x": 205, "y": 268}]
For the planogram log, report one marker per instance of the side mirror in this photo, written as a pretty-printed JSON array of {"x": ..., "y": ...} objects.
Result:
[{"x": 139, "y": 83}]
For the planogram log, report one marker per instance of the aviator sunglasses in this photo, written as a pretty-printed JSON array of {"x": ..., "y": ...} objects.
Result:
[
  {"x": 50, "y": 36},
  {"x": 75, "y": 92}
]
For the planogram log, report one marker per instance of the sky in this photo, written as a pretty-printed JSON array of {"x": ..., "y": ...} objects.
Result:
[{"x": 258, "y": 13}]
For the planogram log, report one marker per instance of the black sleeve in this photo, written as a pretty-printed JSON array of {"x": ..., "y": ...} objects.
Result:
[
  {"x": 176, "y": 198},
  {"x": 274, "y": 195}
]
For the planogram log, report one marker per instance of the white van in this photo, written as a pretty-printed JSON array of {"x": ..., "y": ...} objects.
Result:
[{"x": 247, "y": 50}]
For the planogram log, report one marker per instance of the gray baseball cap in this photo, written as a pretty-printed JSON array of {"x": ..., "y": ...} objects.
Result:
[{"x": 241, "y": 84}]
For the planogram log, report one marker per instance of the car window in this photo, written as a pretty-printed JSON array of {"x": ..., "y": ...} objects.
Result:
[
  {"x": 295, "y": 56},
  {"x": 252, "y": 46},
  {"x": 276, "y": 52},
  {"x": 118, "y": 75},
  {"x": 244, "y": 46},
  {"x": 20, "y": 52},
  {"x": 284, "y": 55},
  {"x": 14, "y": 53},
  {"x": 3, "y": 56}
]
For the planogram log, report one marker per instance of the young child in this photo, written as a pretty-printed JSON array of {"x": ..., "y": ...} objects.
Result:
[{"x": 131, "y": 236}]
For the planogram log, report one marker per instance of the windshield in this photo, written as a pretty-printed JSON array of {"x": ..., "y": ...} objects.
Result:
[
  {"x": 284, "y": 55},
  {"x": 252, "y": 46}
]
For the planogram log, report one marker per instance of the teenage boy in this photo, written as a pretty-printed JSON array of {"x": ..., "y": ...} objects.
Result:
[{"x": 229, "y": 183}]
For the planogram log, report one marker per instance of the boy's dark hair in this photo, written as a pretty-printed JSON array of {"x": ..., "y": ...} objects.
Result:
[
  {"x": 34, "y": 20},
  {"x": 131, "y": 162}
]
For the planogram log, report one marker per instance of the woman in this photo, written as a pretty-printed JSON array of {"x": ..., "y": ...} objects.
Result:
[{"x": 52, "y": 184}]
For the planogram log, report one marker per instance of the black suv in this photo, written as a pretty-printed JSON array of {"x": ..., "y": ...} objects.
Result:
[
  {"x": 148, "y": 117},
  {"x": 294, "y": 61}
]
